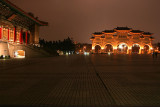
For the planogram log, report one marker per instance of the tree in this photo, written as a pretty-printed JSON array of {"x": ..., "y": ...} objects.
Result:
[{"x": 67, "y": 45}]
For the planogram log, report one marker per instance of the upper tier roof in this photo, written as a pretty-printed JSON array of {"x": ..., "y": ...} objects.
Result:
[
  {"x": 97, "y": 33},
  {"x": 136, "y": 31},
  {"x": 23, "y": 13},
  {"x": 108, "y": 31},
  {"x": 147, "y": 33},
  {"x": 123, "y": 28}
]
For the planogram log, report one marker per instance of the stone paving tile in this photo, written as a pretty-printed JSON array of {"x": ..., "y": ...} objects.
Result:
[
  {"x": 135, "y": 85},
  {"x": 81, "y": 81}
]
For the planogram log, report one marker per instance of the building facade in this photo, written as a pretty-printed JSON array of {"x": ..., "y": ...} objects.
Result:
[
  {"x": 18, "y": 30},
  {"x": 122, "y": 40}
]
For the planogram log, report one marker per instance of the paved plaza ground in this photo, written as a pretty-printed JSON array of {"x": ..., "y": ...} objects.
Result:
[{"x": 81, "y": 81}]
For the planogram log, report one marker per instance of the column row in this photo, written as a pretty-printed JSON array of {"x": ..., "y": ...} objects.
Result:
[{"x": 14, "y": 35}]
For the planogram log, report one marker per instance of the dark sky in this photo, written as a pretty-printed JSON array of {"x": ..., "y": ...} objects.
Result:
[{"x": 80, "y": 18}]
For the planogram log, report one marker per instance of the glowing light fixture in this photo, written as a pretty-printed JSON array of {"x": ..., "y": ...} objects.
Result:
[
  {"x": 86, "y": 53},
  {"x": 120, "y": 46},
  {"x": 19, "y": 54},
  {"x": 114, "y": 47}
]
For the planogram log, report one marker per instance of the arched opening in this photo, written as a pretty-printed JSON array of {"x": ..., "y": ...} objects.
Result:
[
  {"x": 97, "y": 49},
  {"x": 146, "y": 49},
  {"x": 109, "y": 48},
  {"x": 135, "y": 48},
  {"x": 19, "y": 54},
  {"x": 122, "y": 48}
]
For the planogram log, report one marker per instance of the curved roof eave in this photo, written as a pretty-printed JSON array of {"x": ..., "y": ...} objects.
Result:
[{"x": 20, "y": 11}]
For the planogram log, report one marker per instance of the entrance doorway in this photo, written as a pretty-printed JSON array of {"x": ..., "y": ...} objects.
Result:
[
  {"x": 122, "y": 48},
  {"x": 146, "y": 49},
  {"x": 135, "y": 48},
  {"x": 19, "y": 54},
  {"x": 97, "y": 49},
  {"x": 109, "y": 48}
]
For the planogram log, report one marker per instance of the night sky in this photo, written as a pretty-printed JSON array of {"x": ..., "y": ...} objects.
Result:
[{"x": 80, "y": 18}]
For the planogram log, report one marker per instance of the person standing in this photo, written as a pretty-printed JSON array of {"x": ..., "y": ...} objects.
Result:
[
  {"x": 153, "y": 54},
  {"x": 156, "y": 54}
]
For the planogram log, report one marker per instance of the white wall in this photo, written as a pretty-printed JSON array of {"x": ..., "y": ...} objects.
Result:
[{"x": 4, "y": 48}]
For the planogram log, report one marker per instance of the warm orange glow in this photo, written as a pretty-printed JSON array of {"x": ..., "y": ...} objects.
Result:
[
  {"x": 19, "y": 54},
  {"x": 141, "y": 47},
  {"x": 129, "y": 47},
  {"x": 123, "y": 39},
  {"x": 115, "y": 47},
  {"x": 0, "y": 32}
]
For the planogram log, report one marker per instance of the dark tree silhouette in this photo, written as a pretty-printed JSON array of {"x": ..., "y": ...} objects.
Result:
[{"x": 67, "y": 45}]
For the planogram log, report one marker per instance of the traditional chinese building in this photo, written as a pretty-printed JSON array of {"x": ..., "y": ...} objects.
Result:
[
  {"x": 122, "y": 40},
  {"x": 18, "y": 30}
]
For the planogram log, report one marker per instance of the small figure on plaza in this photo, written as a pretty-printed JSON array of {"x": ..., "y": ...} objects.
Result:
[
  {"x": 156, "y": 54},
  {"x": 153, "y": 54}
]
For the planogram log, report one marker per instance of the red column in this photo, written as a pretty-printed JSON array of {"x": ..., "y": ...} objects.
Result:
[
  {"x": 15, "y": 34},
  {"x": 0, "y": 32},
  {"x": 20, "y": 37},
  {"x": 8, "y": 34},
  {"x": 26, "y": 37}
]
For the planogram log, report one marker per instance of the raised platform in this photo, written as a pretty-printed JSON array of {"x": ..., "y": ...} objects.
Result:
[{"x": 12, "y": 50}]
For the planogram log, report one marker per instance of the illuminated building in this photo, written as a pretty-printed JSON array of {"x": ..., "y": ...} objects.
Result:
[
  {"x": 19, "y": 30},
  {"x": 122, "y": 40}
]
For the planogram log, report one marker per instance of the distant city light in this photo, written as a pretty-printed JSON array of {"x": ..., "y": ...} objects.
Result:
[{"x": 86, "y": 53}]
